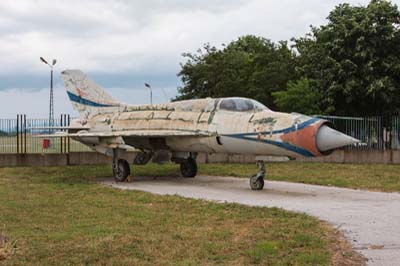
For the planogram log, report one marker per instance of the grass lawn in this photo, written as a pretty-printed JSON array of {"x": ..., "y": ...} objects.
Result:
[
  {"x": 59, "y": 216},
  {"x": 378, "y": 177}
]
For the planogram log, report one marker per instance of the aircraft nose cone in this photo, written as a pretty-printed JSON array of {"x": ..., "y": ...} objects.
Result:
[{"x": 330, "y": 139}]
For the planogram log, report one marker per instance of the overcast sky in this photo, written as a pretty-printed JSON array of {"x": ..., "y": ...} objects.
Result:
[{"x": 123, "y": 44}]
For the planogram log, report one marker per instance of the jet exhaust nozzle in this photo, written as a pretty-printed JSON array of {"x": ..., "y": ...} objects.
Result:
[{"x": 330, "y": 139}]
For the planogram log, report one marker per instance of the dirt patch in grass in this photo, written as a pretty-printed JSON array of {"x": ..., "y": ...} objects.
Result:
[
  {"x": 7, "y": 247},
  {"x": 343, "y": 254},
  {"x": 3, "y": 241}
]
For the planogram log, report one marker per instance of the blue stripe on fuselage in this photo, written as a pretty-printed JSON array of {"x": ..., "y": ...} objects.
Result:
[
  {"x": 284, "y": 145},
  {"x": 78, "y": 99}
]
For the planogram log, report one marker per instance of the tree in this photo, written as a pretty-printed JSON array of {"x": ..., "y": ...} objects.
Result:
[
  {"x": 251, "y": 67},
  {"x": 350, "y": 66},
  {"x": 299, "y": 97},
  {"x": 354, "y": 60}
]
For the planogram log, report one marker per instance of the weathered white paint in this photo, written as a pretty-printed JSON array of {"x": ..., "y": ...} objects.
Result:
[{"x": 226, "y": 125}]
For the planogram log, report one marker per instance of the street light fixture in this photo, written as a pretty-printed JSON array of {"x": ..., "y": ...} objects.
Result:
[
  {"x": 51, "y": 107},
  {"x": 151, "y": 93},
  {"x": 205, "y": 85}
]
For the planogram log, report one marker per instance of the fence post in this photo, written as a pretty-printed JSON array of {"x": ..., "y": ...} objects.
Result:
[
  {"x": 68, "y": 139},
  {"x": 17, "y": 133},
  {"x": 61, "y": 138},
  {"x": 25, "y": 131}
]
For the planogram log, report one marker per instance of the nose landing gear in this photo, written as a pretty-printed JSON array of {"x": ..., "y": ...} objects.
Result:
[
  {"x": 257, "y": 181},
  {"x": 121, "y": 168}
]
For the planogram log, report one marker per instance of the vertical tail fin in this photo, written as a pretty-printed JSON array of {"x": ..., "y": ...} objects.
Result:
[{"x": 86, "y": 96}]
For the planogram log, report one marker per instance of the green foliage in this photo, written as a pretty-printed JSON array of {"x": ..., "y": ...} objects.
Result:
[
  {"x": 299, "y": 97},
  {"x": 354, "y": 59},
  {"x": 352, "y": 65},
  {"x": 251, "y": 67}
]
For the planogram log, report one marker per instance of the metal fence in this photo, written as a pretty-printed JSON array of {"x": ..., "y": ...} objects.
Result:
[{"x": 23, "y": 135}]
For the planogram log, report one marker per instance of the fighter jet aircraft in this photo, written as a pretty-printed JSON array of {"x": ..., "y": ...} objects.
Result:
[{"x": 178, "y": 131}]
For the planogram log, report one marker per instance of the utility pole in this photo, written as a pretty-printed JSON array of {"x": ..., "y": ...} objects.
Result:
[{"x": 51, "y": 107}]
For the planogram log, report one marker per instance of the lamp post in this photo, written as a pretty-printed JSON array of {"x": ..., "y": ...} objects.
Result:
[
  {"x": 51, "y": 107},
  {"x": 151, "y": 93},
  {"x": 205, "y": 85}
]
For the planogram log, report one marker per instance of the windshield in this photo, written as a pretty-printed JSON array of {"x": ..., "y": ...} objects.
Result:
[
  {"x": 259, "y": 106},
  {"x": 241, "y": 105}
]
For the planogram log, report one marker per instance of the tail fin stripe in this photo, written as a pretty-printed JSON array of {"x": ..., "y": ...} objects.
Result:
[{"x": 80, "y": 100}]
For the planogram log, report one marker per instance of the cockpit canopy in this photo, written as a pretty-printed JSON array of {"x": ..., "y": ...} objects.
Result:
[
  {"x": 241, "y": 105},
  {"x": 234, "y": 104}
]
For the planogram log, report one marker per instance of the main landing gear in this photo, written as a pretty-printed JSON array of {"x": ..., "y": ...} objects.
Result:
[
  {"x": 187, "y": 162},
  {"x": 257, "y": 181},
  {"x": 121, "y": 168},
  {"x": 189, "y": 168}
]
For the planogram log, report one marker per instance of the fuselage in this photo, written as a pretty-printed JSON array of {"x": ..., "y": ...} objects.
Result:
[{"x": 234, "y": 126}]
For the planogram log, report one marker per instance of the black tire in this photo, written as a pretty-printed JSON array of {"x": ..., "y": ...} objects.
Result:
[
  {"x": 189, "y": 168},
  {"x": 257, "y": 182},
  {"x": 121, "y": 170}
]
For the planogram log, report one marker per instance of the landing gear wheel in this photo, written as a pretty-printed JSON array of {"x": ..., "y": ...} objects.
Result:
[
  {"x": 257, "y": 182},
  {"x": 189, "y": 168},
  {"x": 121, "y": 170}
]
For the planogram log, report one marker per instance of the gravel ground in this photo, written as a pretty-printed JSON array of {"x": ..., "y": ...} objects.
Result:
[{"x": 370, "y": 220}]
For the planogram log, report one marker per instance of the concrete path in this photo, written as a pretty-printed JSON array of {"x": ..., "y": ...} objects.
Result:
[{"x": 370, "y": 220}]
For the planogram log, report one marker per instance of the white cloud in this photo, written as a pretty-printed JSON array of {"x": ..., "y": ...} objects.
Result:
[
  {"x": 137, "y": 36},
  {"x": 33, "y": 103}
]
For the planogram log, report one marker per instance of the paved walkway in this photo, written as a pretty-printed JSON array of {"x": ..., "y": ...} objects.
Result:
[{"x": 370, "y": 220}]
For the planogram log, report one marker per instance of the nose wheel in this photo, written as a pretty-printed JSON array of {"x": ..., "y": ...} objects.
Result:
[
  {"x": 257, "y": 181},
  {"x": 121, "y": 168}
]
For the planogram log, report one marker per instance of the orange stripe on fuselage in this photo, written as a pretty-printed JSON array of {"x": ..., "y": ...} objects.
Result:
[{"x": 305, "y": 138}]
